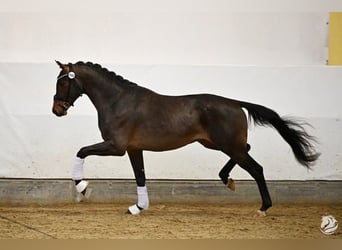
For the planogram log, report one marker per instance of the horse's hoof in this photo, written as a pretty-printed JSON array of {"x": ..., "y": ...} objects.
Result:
[
  {"x": 82, "y": 186},
  {"x": 134, "y": 210},
  {"x": 231, "y": 184},
  {"x": 261, "y": 213}
]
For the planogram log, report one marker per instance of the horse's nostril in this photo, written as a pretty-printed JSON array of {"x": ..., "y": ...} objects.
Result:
[{"x": 65, "y": 105}]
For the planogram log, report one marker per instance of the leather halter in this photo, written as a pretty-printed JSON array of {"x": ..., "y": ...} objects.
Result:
[{"x": 72, "y": 81}]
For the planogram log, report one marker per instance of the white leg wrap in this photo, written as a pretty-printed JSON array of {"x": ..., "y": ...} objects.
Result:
[
  {"x": 143, "y": 201},
  {"x": 77, "y": 174},
  {"x": 77, "y": 171}
]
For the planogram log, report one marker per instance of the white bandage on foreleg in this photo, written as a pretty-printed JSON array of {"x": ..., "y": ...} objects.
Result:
[
  {"x": 143, "y": 201},
  {"x": 77, "y": 171}
]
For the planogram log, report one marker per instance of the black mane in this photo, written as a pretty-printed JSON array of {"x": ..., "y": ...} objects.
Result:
[{"x": 110, "y": 75}]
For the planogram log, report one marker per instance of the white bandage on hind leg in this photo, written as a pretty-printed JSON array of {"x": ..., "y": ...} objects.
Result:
[
  {"x": 143, "y": 201},
  {"x": 77, "y": 171}
]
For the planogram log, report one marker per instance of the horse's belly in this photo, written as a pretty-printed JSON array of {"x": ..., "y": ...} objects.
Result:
[
  {"x": 166, "y": 132},
  {"x": 164, "y": 142}
]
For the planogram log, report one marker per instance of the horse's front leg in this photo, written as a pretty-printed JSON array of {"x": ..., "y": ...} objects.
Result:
[
  {"x": 137, "y": 161},
  {"x": 102, "y": 149}
]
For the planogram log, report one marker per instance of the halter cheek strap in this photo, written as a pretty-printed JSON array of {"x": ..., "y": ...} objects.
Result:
[{"x": 72, "y": 78}]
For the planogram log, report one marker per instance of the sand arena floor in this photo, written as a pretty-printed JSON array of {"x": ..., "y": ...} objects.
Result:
[{"x": 165, "y": 221}]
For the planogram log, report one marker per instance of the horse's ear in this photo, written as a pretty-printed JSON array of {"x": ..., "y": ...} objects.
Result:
[{"x": 61, "y": 65}]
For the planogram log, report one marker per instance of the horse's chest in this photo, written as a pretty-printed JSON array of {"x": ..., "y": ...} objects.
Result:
[{"x": 114, "y": 126}]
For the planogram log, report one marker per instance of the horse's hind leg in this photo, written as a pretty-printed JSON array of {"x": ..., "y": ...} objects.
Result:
[
  {"x": 237, "y": 150},
  {"x": 137, "y": 161},
  {"x": 225, "y": 171},
  {"x": 256, "y": 171}
]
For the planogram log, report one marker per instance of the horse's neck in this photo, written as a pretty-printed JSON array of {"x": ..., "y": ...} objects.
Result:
[{"x": 102, "y": 93}]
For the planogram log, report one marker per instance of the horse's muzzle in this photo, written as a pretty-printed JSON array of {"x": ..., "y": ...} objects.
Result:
[{"x": 60, "y": 108}]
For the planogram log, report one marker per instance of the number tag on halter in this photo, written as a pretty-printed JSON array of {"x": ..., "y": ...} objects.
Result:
[{"x": 71, "y": 75}]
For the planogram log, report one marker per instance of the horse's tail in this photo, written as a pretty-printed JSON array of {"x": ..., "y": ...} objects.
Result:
[{"x": 292, "y": 131}]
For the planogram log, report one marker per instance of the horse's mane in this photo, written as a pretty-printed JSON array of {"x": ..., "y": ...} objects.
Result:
[{"x": 110, "y": 75}]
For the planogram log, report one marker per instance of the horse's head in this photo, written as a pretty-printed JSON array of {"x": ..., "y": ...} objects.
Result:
[{"x": 68, "y": 89}]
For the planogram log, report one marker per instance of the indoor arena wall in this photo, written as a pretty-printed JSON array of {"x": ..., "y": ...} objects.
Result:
[{"x": 271, "y": 57}]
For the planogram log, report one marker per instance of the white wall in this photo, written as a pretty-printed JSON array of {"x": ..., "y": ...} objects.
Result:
[
  {"x": 35, "y": 143},
  {"x": 177, "y": 47},
  {"x": 178, "y": 32},
  {"x": 166, "y": 38}
]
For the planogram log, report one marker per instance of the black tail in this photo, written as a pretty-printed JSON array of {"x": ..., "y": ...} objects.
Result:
[{"x": 292, "y": 131}]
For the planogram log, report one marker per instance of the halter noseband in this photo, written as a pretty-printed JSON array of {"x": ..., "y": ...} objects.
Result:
[{"x": 72, "y": 79}]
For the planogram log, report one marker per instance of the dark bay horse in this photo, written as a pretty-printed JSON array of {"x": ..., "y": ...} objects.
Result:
[{"x": 132, "y": 118}]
